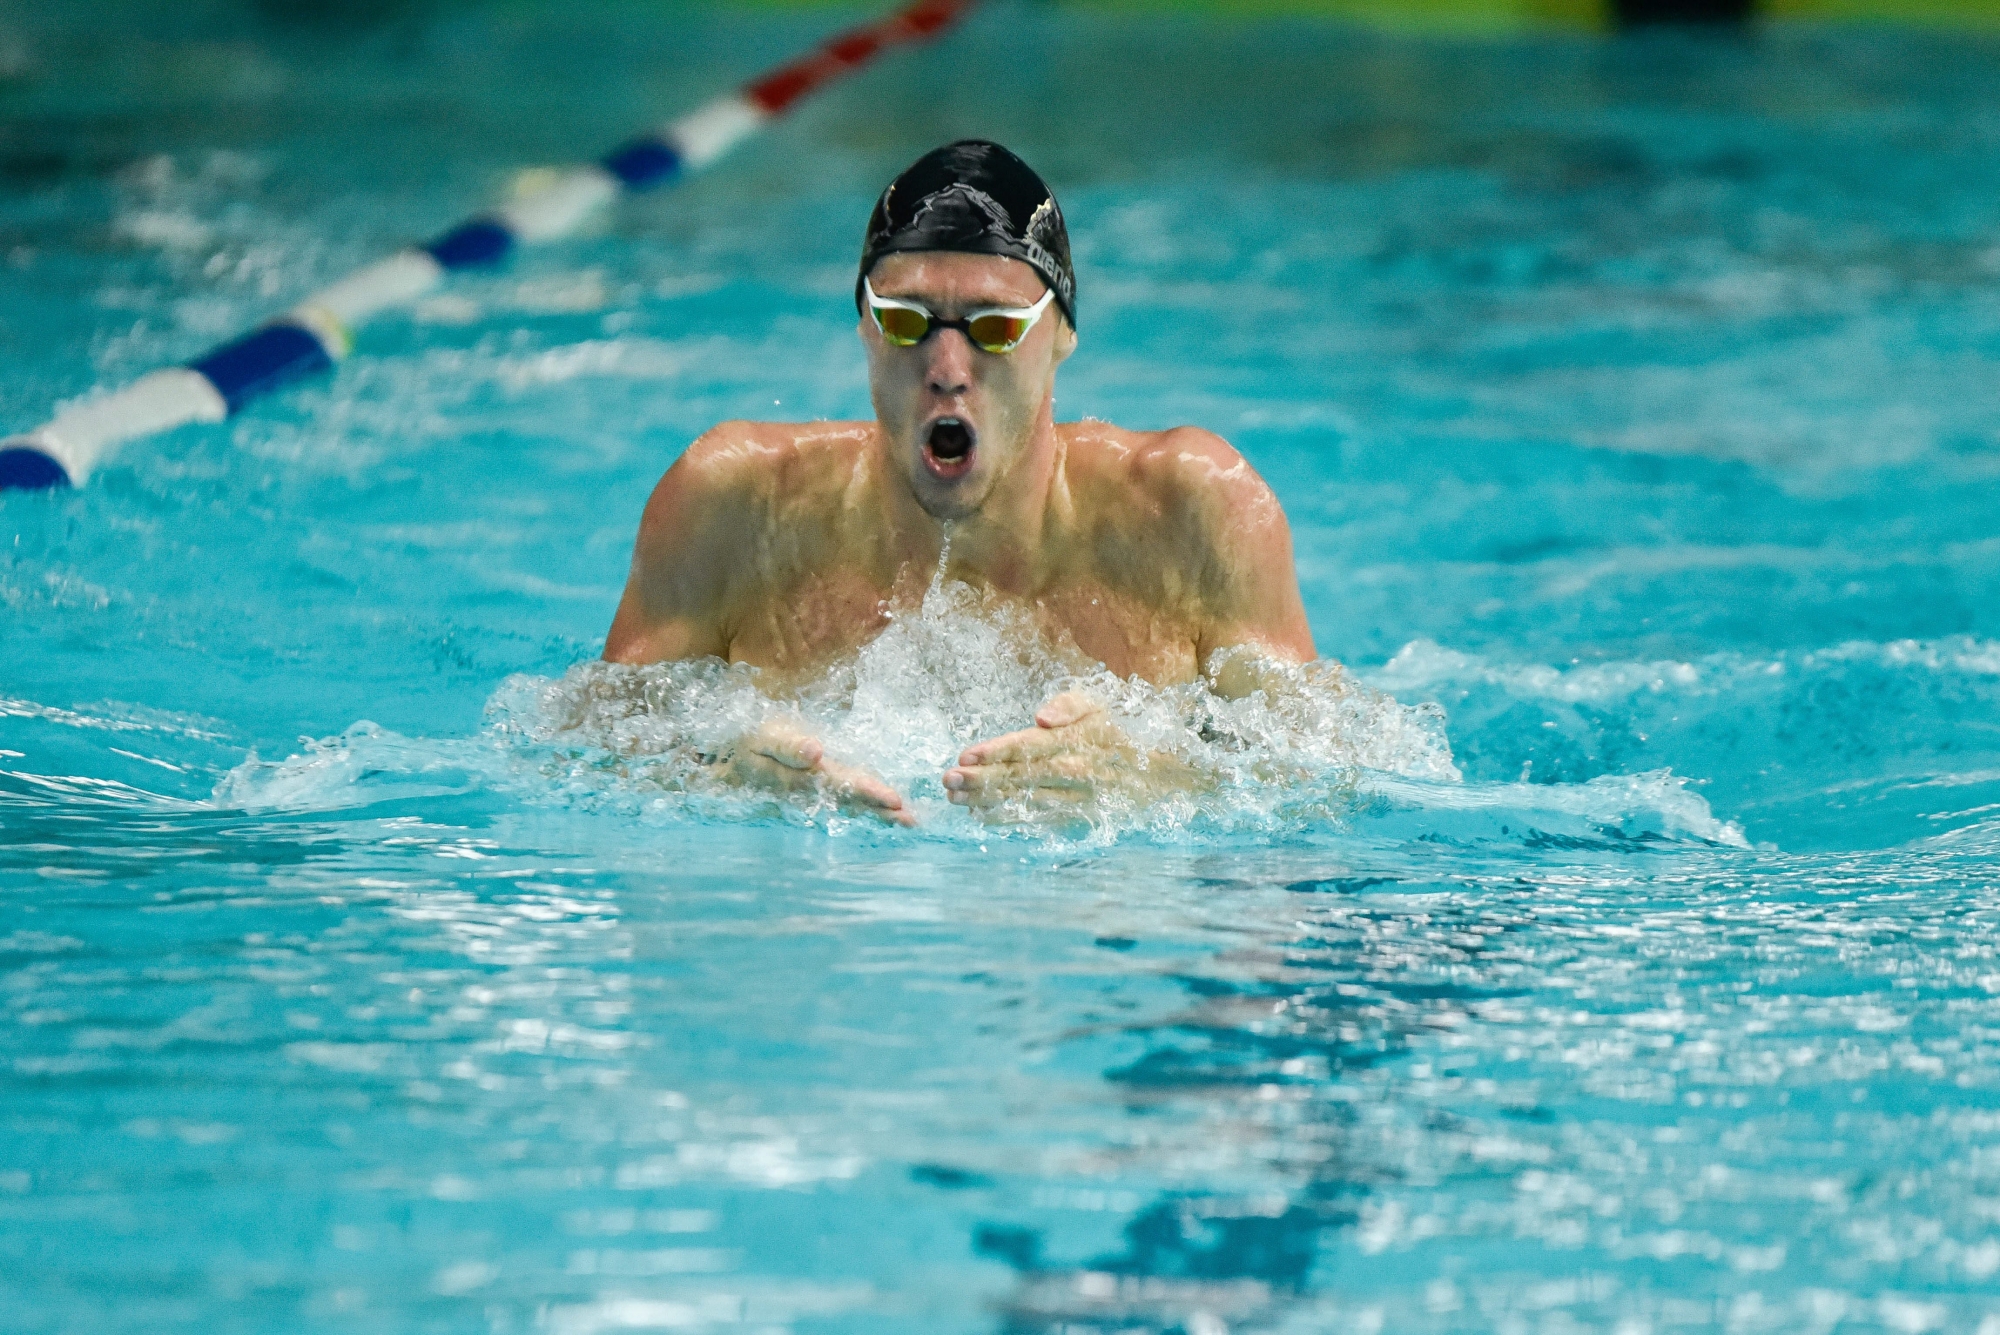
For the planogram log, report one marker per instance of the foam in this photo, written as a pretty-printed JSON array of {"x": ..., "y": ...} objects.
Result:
[
  {"x": 1656, "y": 807},
  {"x": 1314, "y": 750},
  {"x": 962, "y": 669},
  {"x": 366, "y": 763}
]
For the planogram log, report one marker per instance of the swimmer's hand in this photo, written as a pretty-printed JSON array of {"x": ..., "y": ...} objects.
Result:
[
  {"x": 780, "y": 756},
  {"x": 1070, "y": 761}
]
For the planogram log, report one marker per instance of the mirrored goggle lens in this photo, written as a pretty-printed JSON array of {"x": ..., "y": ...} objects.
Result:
[
  {"x": 902, "y": 327},
  {"x": 998, "y": 333}
]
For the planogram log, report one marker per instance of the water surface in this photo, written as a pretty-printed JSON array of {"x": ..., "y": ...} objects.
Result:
[{"x": 1634, "y": 404}]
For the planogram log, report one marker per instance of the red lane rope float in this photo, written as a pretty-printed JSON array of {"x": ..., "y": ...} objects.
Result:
[{"x": 849, "y": 51}]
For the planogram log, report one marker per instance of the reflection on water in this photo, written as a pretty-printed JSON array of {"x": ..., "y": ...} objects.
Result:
[
  {"x": 605, "y": 1071},
  {"x": 1260, "y": 1061}
]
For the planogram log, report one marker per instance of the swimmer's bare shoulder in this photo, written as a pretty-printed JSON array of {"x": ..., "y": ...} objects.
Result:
[
  {"x": 1214, "y": 532},
  {"x": 706, "y": 536}
]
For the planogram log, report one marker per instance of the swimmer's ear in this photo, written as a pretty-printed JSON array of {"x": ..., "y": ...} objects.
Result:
[{"x": 1065, "y": 340}]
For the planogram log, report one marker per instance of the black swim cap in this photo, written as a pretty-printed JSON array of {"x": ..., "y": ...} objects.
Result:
[{"x": 973, "y": 196}]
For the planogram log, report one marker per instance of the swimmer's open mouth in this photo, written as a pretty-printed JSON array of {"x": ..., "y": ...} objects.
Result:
[{"x": 948, "y": 447}]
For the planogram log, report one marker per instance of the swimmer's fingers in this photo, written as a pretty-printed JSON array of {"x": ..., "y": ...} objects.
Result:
[
  {"x": 1011, "y": 748},
  {"x": 1055, "y": 730},
  {"x": 1077, "y": 776},
  {"x": 1005, "y": 804},
  {"x": 988, "y": 785},
  {"x": 1090, "y": 732},
  {"x": 856, "y": 787}
]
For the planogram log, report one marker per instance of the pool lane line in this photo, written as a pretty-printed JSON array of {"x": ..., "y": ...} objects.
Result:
[{"x": 317, "y": 334}]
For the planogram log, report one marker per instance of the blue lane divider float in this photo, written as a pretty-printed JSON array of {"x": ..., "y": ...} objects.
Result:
[{"x": 317, "y": 334}]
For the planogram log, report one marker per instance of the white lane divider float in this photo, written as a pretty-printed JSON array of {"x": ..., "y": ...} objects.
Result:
[{"x": 317, "y": 334}]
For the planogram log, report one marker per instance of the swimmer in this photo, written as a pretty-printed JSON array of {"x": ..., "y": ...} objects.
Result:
[{"x": 788, "y": 546}]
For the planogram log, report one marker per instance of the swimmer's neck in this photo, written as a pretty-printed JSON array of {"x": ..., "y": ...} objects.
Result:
[{"x": 1008, "y": 543}]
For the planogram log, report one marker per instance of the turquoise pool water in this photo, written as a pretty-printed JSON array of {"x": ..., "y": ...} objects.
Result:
[{"x": 1636, "y": 403}]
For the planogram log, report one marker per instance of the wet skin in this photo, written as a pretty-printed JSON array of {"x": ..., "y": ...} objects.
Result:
[{"x": 789, "y": 545}]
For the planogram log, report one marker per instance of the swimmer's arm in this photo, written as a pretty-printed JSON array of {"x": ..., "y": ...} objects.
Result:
[
  {"x": 693, "y": 549},
  {"x": 1240, "y": 547}
]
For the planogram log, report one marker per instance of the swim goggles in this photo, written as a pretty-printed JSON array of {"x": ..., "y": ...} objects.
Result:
[{"x": 997, "y": 329}]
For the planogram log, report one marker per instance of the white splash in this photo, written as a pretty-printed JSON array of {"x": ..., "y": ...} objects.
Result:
[
  {"x": 963, "y": 668},
  {"x": 1311, "y": 751}
]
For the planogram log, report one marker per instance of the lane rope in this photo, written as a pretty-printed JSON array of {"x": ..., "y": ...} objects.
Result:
[{"x": 317, "y": 334}]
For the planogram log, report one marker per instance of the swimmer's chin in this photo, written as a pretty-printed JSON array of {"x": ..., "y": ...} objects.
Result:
[{"x": 947, "y": 500}]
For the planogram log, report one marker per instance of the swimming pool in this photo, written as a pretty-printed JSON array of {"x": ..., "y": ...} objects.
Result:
[{"x": 1634, "y": 402}]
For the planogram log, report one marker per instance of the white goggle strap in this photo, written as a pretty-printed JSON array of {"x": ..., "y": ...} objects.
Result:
[
  {"x": 1028, "y": 313},
  {"x": 891, "y": 303}
]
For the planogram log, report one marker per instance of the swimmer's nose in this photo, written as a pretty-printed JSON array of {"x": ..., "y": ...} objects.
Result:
[{"x": 950, "y": 363}]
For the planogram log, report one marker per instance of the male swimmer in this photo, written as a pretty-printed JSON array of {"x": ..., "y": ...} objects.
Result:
[{"x": 789, "y": 545}]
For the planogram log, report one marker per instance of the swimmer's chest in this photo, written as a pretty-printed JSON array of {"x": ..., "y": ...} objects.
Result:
[
  {"x": 1124, "y": 634},
  {"x": 822, "y": 616}
]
